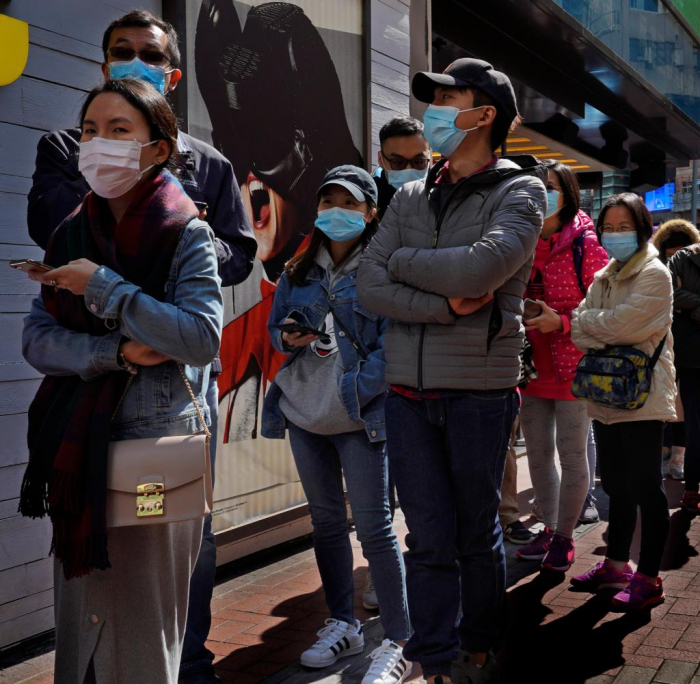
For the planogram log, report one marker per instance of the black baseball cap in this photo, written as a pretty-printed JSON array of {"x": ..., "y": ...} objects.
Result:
[
  {"x": 469, "y": 72},
  {"x": 360, "y": 184}
]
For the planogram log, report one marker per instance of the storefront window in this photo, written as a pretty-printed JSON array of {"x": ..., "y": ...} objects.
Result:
[{"x": 648, "y": 38}]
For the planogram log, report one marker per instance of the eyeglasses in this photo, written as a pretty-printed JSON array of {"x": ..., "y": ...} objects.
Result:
[
  {"x": 149, "y": 56},
  {"x": 399, "y": 163},
  {"x": 554, "y": 187}
]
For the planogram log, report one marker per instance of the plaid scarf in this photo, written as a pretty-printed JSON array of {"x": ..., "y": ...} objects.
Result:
[{"x": 70, "y": 419}]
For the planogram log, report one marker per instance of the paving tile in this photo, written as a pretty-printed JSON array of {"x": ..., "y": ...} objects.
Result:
[
  {"x": 686, "y": 606},
  {"x": 668, "y": 654},
  {"x": 227, "y": 629},
  {"x": 631, "y": 674},
  {"x": 600, "y": 679},
  {"x": 666, "y": 638},
  {"x": 272, "y": 642},
  {"x": 686, "y": 645},
  {"x": 643, "y": 661},
  {"x": 675, "y": 672},
  {"x": 265, "y": 667},
  {"x": 692, "y": 633}
]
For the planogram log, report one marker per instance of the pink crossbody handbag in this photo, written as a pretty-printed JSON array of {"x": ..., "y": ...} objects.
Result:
[{"x": 159, "y": 480}]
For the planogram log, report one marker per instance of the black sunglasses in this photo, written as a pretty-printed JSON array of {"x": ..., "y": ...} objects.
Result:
[
  {"x": 399, "y": 163},
  {"x": 149, "y": 56}
]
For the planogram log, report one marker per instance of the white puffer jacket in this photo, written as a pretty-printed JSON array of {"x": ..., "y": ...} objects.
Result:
[{"x": 631, "y": 304}]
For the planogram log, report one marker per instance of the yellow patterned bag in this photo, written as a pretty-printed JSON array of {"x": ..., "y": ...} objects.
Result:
[{"x": 616, "y": 377}]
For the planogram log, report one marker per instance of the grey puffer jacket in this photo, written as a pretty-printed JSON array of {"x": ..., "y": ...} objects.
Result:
[{"x": 480, "y": 240}]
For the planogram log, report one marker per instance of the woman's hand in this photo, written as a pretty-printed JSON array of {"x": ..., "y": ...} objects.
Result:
[
  {"x": 74, "y": 276},
  {"x": 463, "y": 306},
  {"x": 297, "y": 339},
  {"x": 548, "y": 321},
  {"x": 141, "y": 355}
]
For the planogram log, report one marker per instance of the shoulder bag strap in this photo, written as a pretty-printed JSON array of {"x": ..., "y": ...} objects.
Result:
[
  {"x": 180, "y": 367},
  {"x": 657, "y": 352},
  {"x": 358, "y": 347}
]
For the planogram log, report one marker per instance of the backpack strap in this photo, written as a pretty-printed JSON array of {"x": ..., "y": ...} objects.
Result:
[
  {"x": 577, "y": 247},
  {"x": 657, "y": 353}
]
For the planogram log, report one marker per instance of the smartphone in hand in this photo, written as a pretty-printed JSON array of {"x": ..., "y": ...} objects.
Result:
[
  {"x": 531, "y": 309},
  {"x": 27, "y": 265},
  {"x": 299, "y": 328}
]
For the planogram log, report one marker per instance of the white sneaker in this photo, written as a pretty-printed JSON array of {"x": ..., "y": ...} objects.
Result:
[
  {"x": 677, "y": 463},
  {"x": 388, "y": 665},
  {"x": 337, "y": 640},
  {"x": 369, "y": 594}
]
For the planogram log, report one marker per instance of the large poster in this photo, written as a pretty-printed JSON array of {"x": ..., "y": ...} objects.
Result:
[{"x": 278, "y": 90}]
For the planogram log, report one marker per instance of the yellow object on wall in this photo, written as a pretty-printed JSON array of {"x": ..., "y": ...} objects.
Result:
[{"x": 14, "y": 48}]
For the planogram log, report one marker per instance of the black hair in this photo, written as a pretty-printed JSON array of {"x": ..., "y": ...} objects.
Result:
[
  {"x": 141, "y": 18},
  {"x": 501, "y": 125},
  {"x": 640, "y": 215},
  {"x": 570, "y": 189},
  {"x": 297, "y": 268},
  {"x": 153, "y": 106},
  {"x": 400, "y": 126}
]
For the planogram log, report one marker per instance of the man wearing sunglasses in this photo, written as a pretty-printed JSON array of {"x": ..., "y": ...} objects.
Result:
[
  {"x": 404, "y": 156},
  {"x": 140, "y": 45}
]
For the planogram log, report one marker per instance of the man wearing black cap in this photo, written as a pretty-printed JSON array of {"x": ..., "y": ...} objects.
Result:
[{"x": 449, "y": 266}]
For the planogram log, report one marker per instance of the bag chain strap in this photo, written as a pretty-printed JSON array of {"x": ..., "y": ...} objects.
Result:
[{"x": 200, "y": 415}]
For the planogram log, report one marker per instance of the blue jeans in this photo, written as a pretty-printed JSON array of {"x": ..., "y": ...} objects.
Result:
[
  {"x": 448, "y": 458},
  {"x": 197, "y": 661},
  {"x": 322, "y": 460}
]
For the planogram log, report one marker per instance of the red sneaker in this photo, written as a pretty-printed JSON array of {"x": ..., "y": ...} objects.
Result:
[
  {"x": 641, "y": 593},
  {"x": 537, "y": 549},
  {"x": 603, "y": 576},
  {"x": 560, "y": 556}
]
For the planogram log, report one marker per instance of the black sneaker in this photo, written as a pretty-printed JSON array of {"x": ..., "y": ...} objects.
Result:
[{"x": 517, "y": 533}]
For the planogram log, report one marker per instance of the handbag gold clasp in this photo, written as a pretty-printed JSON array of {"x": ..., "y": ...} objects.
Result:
[{"x": 150, "y": 499}]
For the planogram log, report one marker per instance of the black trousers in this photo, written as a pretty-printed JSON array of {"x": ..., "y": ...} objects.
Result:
[
  {"x": 690, "y": 398},
  {"x": 630, "y": 471}
]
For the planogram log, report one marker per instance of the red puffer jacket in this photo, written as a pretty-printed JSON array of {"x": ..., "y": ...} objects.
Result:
[{"x": 562, "y": 291}]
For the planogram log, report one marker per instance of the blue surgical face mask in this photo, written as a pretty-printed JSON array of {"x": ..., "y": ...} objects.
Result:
[
  {"x": 150, "y": 73},
  {"x": 552, "y": 203},
  {"x": 341, "y": 224},
  {"x": 397, "y": 179},
  {"x": 620, "y": 246},
  {"x": 440, "y": 130}
]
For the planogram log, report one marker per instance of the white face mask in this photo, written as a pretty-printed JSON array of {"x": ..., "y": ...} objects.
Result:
[{"x": 112, "y": 167}]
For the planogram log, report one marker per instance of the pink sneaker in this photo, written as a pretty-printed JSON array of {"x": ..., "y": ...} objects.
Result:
[
  {"x": 603, "y": 576},
  {"x": 537, "y": 549},
  {"x": 639, "y": 594},
  {"x": 560, "y": 556}
]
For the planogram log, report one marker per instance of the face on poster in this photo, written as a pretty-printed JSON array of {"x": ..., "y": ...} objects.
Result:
[{"x": 277, "y": 89}]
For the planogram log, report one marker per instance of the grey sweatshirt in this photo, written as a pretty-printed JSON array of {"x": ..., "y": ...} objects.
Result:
[{"x": 311, "y": 385}]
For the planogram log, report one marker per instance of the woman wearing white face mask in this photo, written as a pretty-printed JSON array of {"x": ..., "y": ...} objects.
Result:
[
  {"x": 135, "y": 295},
  {"x": 630, "y": 304},
  {"x": 567, "y": 257},
  {"x": 329, "y": 395}
]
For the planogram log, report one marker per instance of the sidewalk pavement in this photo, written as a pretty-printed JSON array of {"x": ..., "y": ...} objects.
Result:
[{"x": 265, "y": 615}]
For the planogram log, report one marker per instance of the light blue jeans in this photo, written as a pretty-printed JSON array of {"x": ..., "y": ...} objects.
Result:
[{"x": 322, "y": 460}]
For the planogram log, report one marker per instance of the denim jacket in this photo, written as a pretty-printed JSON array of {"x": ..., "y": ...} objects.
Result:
[
  {"x": 362, "y": 386},
  {"x": 186, "y": 326}
]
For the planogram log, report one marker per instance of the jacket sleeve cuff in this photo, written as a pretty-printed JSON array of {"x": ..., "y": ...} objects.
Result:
[
  {"x": 104, "y": 357},
  {"x": 99, "y": 288},
  {"x": 566, "y": 323}
]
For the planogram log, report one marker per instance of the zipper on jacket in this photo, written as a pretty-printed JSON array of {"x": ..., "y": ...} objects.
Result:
[{"x": 436, "y": 237}]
